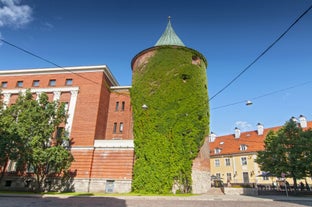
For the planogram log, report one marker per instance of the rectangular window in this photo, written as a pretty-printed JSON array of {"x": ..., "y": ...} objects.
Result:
[
  {"x": 218, "y": 175},
  {"x": 228, "y": 177},
  {"x": 243, "y": 147},
  {"x": 4, "y": 84},
  {"x": 244, "y": 160},
  {"x": 123, "y": 106},
  {"x": 52, "y": 82},
  {"x": 121, "y": 127},
  {"x": 217, "y": 163},
  {"x": 59, "y": 132},
  {"x": 227, "y": 162},
  {"x": 19, "y": 84},
  {"x": 217, "y": 150},
  {"x": 115, "y": 128},
  {"x": 35, "y": 83},
  {"x": 69, "y": 82},
  {"x": 117, "y": 106},
  {"x": 66, "y": 106},
  {"x": 12, "y": 166}
]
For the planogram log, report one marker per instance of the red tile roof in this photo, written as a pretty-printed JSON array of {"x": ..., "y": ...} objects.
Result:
[{"x": 231, "y": 145}]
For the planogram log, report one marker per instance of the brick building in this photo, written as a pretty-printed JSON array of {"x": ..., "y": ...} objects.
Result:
[{"x": 99, "y": 121}]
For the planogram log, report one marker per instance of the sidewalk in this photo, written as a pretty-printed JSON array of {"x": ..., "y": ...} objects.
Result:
[{"x": 195, "y": 197}]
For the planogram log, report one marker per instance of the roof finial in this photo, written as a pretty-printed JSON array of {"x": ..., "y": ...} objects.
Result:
[{"x": 169, "y": 17}]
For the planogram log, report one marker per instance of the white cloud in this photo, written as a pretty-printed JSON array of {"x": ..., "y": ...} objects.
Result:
[
  {"x": 12, "y": 14},
  {"x": 243, "y": 125}
]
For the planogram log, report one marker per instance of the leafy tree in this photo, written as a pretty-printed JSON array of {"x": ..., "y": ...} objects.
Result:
[
  {"x": 42, "y": 144},
  {"x": 287, "y": 151}
]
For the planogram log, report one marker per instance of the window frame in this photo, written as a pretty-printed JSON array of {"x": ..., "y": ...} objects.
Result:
[
  {"x": 227, "y": 163},
  {"x": 4, "y": 84},
  {"x": 217, "y": 162},
  {"x": 68, "y": 82},
  {"x": 35, "y": 83},
  {"x": 244, "y": 161},
  {"x": 52, "y": 82},
  {"x": 19, "y": 84}
]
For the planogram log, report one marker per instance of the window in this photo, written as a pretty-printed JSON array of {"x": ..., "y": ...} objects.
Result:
[
  {"x": 66, "y": 106},
  {"x": 69, "y": 82},
  {"x": 35, "y": 83},
  {"x": 217, "y": 163},
  {"x": 117, "y": 106},
  {"x": 227, "y": 162},
  {"x": 115, "y": 127},
  {"x": 123, "y": 106},
  {"x": 243, "y": 147},
  {"x": 228, "y": 177},
  {"x": 217, "y": 150},
  {"x": 218, "y": 175},
  {"x": 121, "y": 127},
  {"x": 12, "y": 166},
  {"x": 244, "y": 160},
  {"x": 4, "y": 84},
  {"x": 52, "y": 82},
  {"x": 19, "y": 84}
]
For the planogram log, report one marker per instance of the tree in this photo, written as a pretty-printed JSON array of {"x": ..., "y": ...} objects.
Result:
[
  {"x": 43, "y": 143},
  {"x": 287, "y": 151}
]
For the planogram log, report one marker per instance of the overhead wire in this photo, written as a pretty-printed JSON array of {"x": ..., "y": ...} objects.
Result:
[
  {"x": 264, "y": 95},
  {"x": 46, "y": 60},
  {"x": 262, "y": 54}
]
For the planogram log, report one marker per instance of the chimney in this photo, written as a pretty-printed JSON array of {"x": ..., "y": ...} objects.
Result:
[
  {"x": 237, "y": 132},
  {"x": 260, "y": 129},
  {"x": 303, "y": 121},
  {"x": 212, "y": 137}
]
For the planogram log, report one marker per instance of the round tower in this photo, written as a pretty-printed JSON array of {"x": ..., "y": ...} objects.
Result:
[{"x": 170, "y": 118}]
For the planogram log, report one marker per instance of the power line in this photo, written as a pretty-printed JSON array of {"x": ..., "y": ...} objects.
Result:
[
  {"x": 46, "y": 60},
  {"x": 264, "y": 95},
  {"x": 265, "y": 51}
]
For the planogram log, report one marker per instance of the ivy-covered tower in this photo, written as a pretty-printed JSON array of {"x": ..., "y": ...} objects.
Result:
[{"x": 171, "y": 118}]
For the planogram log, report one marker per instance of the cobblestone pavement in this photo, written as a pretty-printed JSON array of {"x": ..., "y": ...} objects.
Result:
[{"x": 154, "y": 201}]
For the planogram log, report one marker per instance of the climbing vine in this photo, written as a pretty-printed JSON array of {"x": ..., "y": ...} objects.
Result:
[{"x": 169, "y": 132}]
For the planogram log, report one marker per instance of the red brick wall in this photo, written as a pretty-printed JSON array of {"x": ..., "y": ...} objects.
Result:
[
  {"x": 112, "y": 164},
  {"x": 118, "y": 116}
]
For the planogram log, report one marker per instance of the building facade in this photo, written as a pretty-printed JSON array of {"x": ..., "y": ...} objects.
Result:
[
  {"x": 99, "y": 122},
  {"x": 232, "y": 156}
]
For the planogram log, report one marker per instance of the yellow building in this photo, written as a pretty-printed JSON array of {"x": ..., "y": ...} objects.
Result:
[{"x": 232, "y": 157}]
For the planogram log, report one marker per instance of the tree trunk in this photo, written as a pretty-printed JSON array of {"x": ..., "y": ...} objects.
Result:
[{"x": 3, "y": 169}]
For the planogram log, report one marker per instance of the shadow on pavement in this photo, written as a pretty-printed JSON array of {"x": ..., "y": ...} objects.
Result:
[{"x": 47, "y": 201}]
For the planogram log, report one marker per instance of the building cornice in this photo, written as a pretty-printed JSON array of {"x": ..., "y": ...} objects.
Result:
[{"x": 60, "y": 70}]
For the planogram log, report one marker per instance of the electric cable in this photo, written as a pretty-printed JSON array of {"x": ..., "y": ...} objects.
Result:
[
  {"x": 262, "y": 54},
  {"x": 46, "y": 60}
]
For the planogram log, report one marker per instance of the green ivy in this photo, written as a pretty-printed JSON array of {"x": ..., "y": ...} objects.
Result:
[{"x": 169, "y": 133}]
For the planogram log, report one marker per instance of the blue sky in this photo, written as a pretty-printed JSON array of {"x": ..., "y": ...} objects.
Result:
[{"x": 230, "y": 34}]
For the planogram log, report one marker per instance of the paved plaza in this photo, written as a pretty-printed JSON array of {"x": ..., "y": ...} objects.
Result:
[{"x": 11, "y": 200}]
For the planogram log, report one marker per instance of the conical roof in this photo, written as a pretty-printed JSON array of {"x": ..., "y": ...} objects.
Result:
[{"x": 169, "y": 37}]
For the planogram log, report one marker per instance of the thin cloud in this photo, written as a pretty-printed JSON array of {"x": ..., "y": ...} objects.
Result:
[
  {"x": 12, "y": 14},
  {"x": 243, "y": 125}
]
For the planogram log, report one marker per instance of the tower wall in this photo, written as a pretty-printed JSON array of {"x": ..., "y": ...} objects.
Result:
[{"x": 168, "y": 133}]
